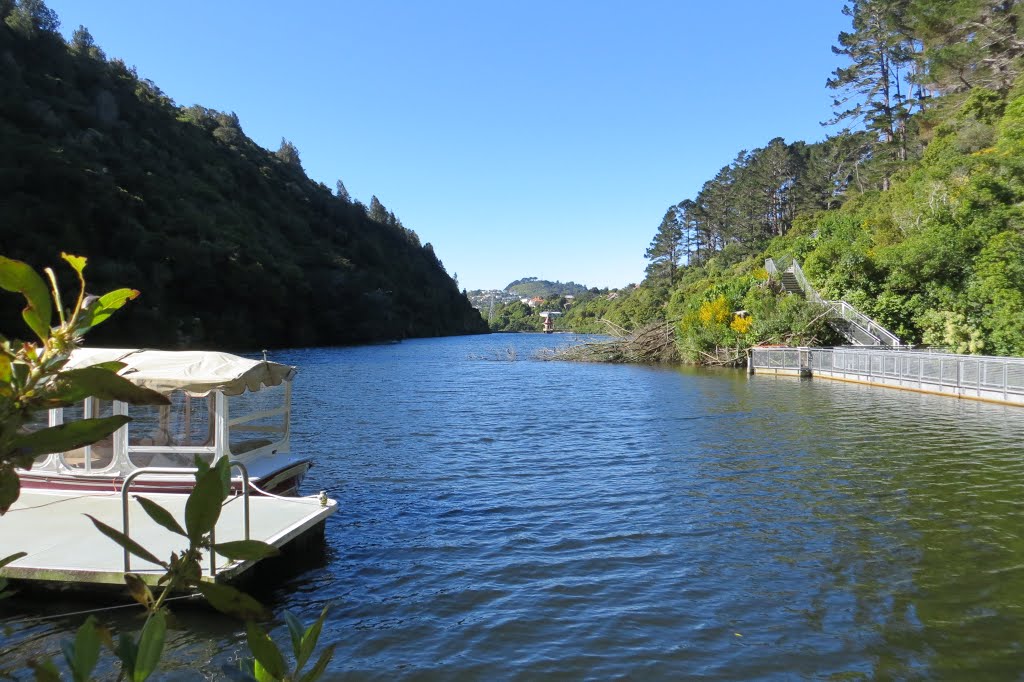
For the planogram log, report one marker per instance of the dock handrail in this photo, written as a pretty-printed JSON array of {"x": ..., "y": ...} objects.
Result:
[
  {"x": 996, "y": 378},
  {"x": 130, "y": 478}
]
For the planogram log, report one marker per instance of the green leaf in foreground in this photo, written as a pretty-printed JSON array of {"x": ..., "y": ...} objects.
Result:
[
  {"x": 125, "y": 541},
  {"x": 203, "y": 507},
  {"x": 246, "y": 550},
  {"x": 45, "y": 670},
  {"x": 68, "y": 436},
  {"x": 77, "y": 263},
  {"x": 138, "y": 589},
  {"x": 106, "y": 305},
  {"x": 10, "y": 487},
  {"x": 161, "y": 515},
  {"x": 266, "y": 652},
  {"x": 231, "y": 601},
  {"x": 98, "y": 382},
  {"x": 151, "y": 645},
  {"x": 321, "y": 665},
  {"x": 295, "y": 630},
  {"x": 12, "y": 558},
  {"x": 309, "y": 639},
  {"x": 84, "y": 654},
  {"x": 21, "y": 278}
]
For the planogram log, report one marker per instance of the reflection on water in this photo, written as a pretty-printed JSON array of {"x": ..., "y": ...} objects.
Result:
[{"x": 521, "y": 519}]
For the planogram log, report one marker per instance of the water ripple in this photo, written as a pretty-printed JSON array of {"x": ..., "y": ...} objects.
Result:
[{"x": 518, "y": 519}]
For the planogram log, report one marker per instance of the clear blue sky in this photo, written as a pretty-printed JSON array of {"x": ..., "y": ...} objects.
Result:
[{"x": 521, "y": 138}]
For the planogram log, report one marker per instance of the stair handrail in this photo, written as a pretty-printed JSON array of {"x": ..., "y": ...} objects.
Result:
[
  {"x": 838, "y": 309},
  {"x": 881, "y": 335},
  {"x": 851, "y": 314},
  {"x": 809, "y": 291}
]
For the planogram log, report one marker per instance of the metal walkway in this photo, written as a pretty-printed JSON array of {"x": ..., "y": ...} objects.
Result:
[
  {"x": 855, "y": 326},
  {"x": 976, "y": 377}
]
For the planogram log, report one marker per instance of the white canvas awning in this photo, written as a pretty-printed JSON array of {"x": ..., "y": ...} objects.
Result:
[{"x": 195, "y": 372}]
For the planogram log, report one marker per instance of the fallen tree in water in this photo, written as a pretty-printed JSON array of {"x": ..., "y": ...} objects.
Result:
[{"x": 653, "y": 343}]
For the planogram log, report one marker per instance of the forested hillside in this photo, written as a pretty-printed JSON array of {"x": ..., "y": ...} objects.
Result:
[
  {"x": 531, "y": 286},
  {"x": 231, "y": 245},
  {"x": 912, "y": 212}
]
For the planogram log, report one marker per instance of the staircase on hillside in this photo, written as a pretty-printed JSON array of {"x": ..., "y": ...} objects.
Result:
[{"x": 855, "y": 326}]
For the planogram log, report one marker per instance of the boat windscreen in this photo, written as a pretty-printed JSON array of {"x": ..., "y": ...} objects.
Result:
[
  {"x": 258, "y": 419},
  {"x": 161, "y": 430},
  {"x": 99, "y": 455}
]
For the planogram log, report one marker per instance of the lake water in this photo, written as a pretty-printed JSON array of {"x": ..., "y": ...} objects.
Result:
[{"x": 506, "y": 518}]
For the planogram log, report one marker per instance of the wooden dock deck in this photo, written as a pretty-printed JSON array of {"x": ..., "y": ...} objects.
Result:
[{"x": 64, "y": 547}]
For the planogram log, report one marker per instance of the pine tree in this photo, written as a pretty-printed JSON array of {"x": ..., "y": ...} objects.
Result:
[
  {"x": 666, "y": 248},
  {"x": 31, "y": 17},
  {"x": 83, "y": 44},
  {"x": 342, "y": 193},
  {"x": 686, "y": 216},
  {"x": 289, "y": 154},
  {"x": 874, "y": 87},
  {"x": 970, "y": 43},
  {"x": 377, "y": 211}
]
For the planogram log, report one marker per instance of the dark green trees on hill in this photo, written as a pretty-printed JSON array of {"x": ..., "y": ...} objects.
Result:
[{"x": 231, "y": 244}]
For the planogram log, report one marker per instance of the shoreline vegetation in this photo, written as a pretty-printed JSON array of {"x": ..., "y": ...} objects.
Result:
[
  {"x": 913, "y": 212},
  {"x": 653, "y": 344}
]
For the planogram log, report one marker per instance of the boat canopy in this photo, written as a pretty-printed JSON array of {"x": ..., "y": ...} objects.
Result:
[{"x": 197, "y": 373}]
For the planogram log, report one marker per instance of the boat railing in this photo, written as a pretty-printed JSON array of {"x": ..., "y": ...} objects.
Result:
[{"x": 130, "y": 478}]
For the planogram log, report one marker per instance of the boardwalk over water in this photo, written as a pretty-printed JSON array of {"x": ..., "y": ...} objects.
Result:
[
  {"x": 976, "y": 377},
  {"x": 63, "y": 547}
]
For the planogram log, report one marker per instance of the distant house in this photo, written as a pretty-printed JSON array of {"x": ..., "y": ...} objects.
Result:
[{"x": 535, "y": 301}]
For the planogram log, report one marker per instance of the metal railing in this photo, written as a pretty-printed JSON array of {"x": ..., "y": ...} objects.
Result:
[
  {"x": 979, "y": 375},
  {"x": 860, "y": 328},
  {"x": 778, "y": 358},
  {"x": 883, "y": 336},
  {"x": 130, "y": 478},
  {"x": 810, "y": 292}
]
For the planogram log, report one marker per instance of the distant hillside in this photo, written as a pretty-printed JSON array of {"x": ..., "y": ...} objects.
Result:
[
  {"x": 231, "y": 245},
  {"x": 531, "y": 286}
]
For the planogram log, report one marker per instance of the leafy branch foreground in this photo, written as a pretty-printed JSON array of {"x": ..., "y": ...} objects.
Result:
[
  {"x": 33, "y": 380},
  {"x": 140, "y": 656}
]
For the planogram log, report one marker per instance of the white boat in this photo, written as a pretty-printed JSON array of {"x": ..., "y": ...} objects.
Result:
[{"x": 222, "y": 405}]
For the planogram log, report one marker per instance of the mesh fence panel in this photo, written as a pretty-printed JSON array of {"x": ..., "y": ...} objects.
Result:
[
  {"x": 992, "y": 374},
  {"x": 1015, "y": 377},
  {"x": 948, "y": 371},
  {"x": 931, "y": 370},
  {"x": 999, "y": 374}
]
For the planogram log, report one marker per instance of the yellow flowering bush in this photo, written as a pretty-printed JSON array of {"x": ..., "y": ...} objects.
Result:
[
  {"x": 714, "y": 312},
  {"x": 741, "y": 324}
]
